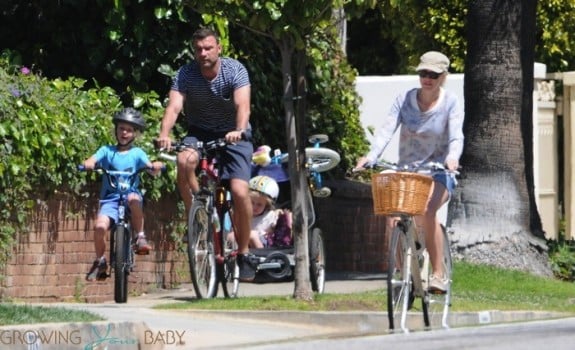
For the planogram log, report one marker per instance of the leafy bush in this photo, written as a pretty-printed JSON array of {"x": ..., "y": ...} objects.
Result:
[
  {"x": 563, "y": 262},
  {"x": 562, "y": 256}
]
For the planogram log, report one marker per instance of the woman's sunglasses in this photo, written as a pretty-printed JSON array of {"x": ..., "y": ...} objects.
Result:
[{"x": 428, "y": 74}]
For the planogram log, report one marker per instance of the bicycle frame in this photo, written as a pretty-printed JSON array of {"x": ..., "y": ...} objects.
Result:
[{"x": 211, "y": 186}]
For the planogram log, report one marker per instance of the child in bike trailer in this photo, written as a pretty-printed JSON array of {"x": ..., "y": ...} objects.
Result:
[
  {"x": 270, "y": 227},
  {"x": 124, "y": 156}
]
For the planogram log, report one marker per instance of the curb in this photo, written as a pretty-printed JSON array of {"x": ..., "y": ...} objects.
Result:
[{"x": 377, "y": 322}]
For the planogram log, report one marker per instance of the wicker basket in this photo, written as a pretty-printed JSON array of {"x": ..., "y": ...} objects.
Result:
[{"x": 400, "y": 193}]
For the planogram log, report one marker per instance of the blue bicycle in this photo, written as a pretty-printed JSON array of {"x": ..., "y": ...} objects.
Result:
[{"x": 122, "y": 242}]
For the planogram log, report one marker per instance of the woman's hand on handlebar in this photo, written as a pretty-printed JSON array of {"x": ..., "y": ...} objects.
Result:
[
  {"x": 361, "y": 164},
  {"x": 452, "y": 164}
]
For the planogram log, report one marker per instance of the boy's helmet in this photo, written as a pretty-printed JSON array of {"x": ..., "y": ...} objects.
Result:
[
  {"x": 130, "y": 116},
  {"x": 266, "y": 185}
]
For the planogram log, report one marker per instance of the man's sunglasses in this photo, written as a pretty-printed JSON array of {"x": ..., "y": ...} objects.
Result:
[{"x": 428, "y": 74}]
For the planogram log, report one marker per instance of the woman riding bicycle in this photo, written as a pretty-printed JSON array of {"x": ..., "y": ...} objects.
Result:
[
  {"x": 128, "y": 123},
  {"x": 431, "y": 121}
]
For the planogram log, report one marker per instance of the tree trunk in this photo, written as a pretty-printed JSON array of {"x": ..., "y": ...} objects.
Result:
[
  {"x": 295, "y": 128},
  {"x": 494, "y": 214},
  {"x": 300, "y": 188}
]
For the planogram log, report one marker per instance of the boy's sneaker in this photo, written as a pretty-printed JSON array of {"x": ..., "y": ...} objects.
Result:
[
  {"x": 438, "y": 285},
  {"x": 247, "y": 268},
  {"x": 98, "y": 272},
  {"x": 142, "y": 246}
]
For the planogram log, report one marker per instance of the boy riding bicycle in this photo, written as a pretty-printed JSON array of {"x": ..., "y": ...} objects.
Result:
[{"x": 124, "y": 156}]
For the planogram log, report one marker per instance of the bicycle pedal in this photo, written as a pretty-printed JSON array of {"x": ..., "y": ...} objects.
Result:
[{"x": 102, "y": 277}]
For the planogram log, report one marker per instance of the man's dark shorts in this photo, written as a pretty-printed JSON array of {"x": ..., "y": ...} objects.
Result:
[{"x": 237, "y": 160}]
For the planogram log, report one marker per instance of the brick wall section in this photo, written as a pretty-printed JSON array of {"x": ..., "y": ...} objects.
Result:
[
  {"x": 353, "y": 235},
  {"x": 50, "y": 262}
]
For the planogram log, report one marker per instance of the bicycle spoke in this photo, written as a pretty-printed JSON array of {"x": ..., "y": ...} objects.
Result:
[
  {"x": 200, "y": 252},
  {"x": 399, "y": 288},
  {"x": 228, "y": 271}
]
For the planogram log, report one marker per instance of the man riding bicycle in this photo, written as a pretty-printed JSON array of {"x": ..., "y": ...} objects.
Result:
[{"x": 213, "y": 92}]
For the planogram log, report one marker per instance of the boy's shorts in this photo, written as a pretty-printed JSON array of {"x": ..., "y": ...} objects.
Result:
[{"x": 109, "y": 208}]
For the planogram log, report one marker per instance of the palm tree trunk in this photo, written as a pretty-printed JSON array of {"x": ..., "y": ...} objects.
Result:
[{"x": 494, "y": 214}]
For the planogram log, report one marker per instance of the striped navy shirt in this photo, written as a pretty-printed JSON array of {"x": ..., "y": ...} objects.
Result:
[{"x": 209, "y": 105}]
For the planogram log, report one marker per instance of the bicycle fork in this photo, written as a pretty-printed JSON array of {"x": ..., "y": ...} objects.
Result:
[
  {"x": 222, "y": 205},
  {"x": 123, "y": 221}
]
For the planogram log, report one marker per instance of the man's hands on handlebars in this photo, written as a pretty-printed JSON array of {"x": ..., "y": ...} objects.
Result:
[
  {"x": 234, "y": 136},
  {"x": 163, "y": 142}
]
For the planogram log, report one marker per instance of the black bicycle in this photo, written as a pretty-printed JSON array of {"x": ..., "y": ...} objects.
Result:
[{"x": 122, "y": 242}]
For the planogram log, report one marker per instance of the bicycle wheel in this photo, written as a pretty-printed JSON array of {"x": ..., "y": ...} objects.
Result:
[
  {"x": 399, "y": 288},
  {"x": 322, "y": 159},
  {"x": 436, "y": 305},
  {"x": 228, "y": 271},
  {"x": 317, "y": 261},
  {"x": 121, "y": 249},
  {"x": 201, "y": 251}
]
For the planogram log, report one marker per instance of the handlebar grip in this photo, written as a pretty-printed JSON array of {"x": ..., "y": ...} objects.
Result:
[
  {"x": 81, "y": 167},
  {"x": 167, "y": 157}
]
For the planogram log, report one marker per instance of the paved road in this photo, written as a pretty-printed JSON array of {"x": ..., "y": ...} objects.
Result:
[{"x": 139, "y": 325}]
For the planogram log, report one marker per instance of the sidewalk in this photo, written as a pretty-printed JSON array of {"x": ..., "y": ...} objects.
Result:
[{"x": 136, "y": 325}]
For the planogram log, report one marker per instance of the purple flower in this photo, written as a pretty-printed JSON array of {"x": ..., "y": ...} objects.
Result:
[
  {"x": 25, "y": 70},
  {"x": 15, "y": 92}
]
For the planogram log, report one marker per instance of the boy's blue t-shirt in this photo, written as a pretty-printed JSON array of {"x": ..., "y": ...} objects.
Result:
[{"x": 109, "y": 158}]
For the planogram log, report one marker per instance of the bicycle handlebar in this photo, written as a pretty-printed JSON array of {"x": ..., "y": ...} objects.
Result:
[
  {"x": 429, "y": 167},
  {"x": 178, "y": 146},
  {"x": 98, "y": 169},
  {"x": 120, "y": 180}
]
